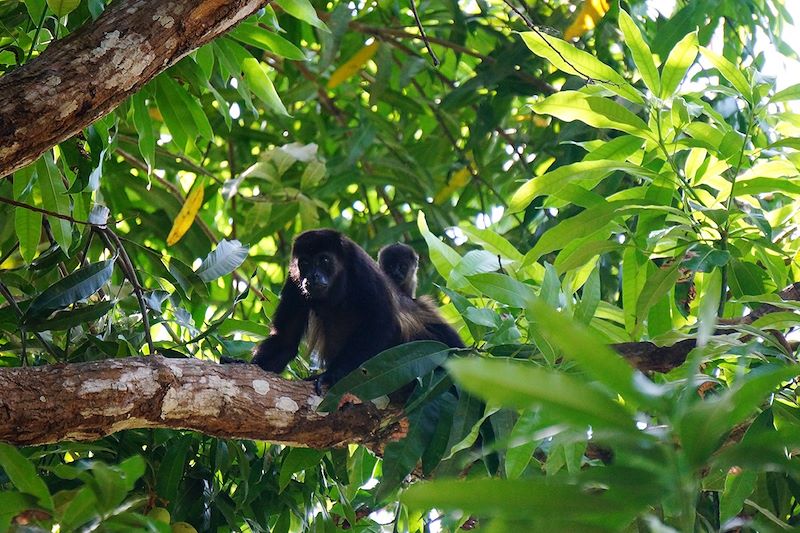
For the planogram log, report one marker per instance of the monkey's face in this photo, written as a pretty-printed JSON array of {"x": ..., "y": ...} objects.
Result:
[
  {"x": 317, "y": 274},
  {"x": 400, "y": 263}
]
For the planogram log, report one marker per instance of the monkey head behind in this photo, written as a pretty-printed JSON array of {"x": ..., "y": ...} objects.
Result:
[{"x": 400, "y": 263}]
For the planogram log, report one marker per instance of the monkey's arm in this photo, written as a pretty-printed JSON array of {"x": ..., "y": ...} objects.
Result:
[{"x": 286, "y": 330}]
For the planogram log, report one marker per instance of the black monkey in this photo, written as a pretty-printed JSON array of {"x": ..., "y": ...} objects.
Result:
[
  {"x": 346, "y": 307},
  {"x": 400, "y": 262}
]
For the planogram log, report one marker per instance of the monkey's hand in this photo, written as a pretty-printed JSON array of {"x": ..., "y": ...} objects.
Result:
[
  {"x": 224, "y": 360},
  {"x": 321, "y": 382}
]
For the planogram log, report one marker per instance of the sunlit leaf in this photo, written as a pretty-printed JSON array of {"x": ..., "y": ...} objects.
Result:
[
  {"x": 222, "y": 260},
  {"x": 257, "y": 79},
  {"x": 595, "y": 111},
  {"x": 570, "y": 60},
  {"x": 641, "y": 53},
  {"x": 303, "y": 10}
]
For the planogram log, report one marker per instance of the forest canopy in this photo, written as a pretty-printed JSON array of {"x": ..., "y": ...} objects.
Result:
[{"x": 603, "y": 196}]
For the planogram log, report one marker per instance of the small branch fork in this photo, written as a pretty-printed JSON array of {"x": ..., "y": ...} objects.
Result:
[
  {"x": 422, "y": 33},
  {"x": 112, "y": 242}
]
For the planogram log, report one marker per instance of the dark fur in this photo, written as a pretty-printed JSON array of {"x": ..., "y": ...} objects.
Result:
[
  {"x": 400, "y": 262},
  {"x": 346, "y": 307}
]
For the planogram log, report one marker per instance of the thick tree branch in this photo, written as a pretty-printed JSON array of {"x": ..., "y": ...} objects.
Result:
[
  {"x": 87, "y": 401},
  {"x": 647, "y": 356},
  {"x": 87, "y": 74}
]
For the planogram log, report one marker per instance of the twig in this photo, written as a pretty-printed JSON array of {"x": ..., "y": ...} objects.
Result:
[
  {"x": 529, "y": 23},
  {"x": 130, "y": 272},
  {"x": 9, "y": 252},
  {"x": 13, "y": 303},
  {"x": 29, "y": 207},
  {"x": 176, "y": 193},
  {"x": 434, "y": 59}
]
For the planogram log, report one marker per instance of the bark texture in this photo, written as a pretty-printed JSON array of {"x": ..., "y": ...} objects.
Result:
[
  {"x": 87, "y": 401},
  {"x": 86, "y": 75}
]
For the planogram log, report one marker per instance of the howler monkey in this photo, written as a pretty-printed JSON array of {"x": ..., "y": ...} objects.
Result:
[
  {"x": 338, "y": 298},
  {"x": 400, "y": 262}
]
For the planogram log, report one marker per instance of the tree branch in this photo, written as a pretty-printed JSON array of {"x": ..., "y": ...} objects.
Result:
[
  {"x": 87, "y": 401},
  {"x": 84, "y": 76}
]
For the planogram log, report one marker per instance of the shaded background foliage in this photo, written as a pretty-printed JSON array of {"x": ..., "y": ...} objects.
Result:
[{"x": 335, "y": 115}]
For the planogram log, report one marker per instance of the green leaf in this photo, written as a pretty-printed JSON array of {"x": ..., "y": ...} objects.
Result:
[
  {"x": 81, "y": 508},
  {"x": 610, "y": 498},
  {"x": 709, "y": 304},
  {"x": 23, "y": 475},
  {"x": 255, "y": 35},
  {"x": 517, "y": 384},
  {"x": 656, "y": 286},
  {"x": 746, "y": 279},
  {"x": 70, "y": 318},
  {"x": 704, "y": 258},
  {"x": 787, "y": 95},
  {"x": 178, "y": 120},
  {"x": 782, "y": 320},
  {"x": 472, "y": 435},
  {"x": 303, "y": 10},
  {"x": 55, "y": 199},
  {"x": 566, "y": 230},
  {"x": 296, "y": 460},
  {"x": 443, "y": 257},
  {"x": 574, "y": 258},
  {"x": 597, "y": 360},
  {"x": 132, "y": 469},
  {"x": 388, "y": 371},
  {"x": 255, "y": 74},
  {"x": 520, "y": 451},
  {"x": 504, "y": 289},
  {"x": 642, "y": 56},
  {"x": 169, "y": 473},
  {"x": 590, "y": 298},
  {"x": 705, "y": 423},
  {"x": 729, "y": 71},
  {"x": 550, "y": 183},
  {"x": 595, "y": 111},
  {"x": 680, "y": 58},
  {"x": 222, "y": 260},
  {"x": 400, "y": 458},
  {"x": 146, "y": 139},
  {"x": 71, "y": 289},
  {"x": 492, "y": 242},
  {"x": 27, "y": 223},
  {"x": 739, "y": 485},
  {"x": 63, "y": 7},
  {"x": 570, "y": 60},
  {"x": 13, "y": 503}
]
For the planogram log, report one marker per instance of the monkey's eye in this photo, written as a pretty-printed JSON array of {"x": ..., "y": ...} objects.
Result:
[
  {"x": 303, "y": 263},
  {"x": 324, "y": 260}
]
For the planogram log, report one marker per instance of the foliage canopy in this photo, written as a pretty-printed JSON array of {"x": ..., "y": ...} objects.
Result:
[{"x": 635, "y": 185}]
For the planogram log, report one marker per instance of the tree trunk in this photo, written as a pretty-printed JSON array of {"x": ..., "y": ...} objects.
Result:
[
  {"x": 86, "y": 75},
  {"x": 87, "y": 401}
]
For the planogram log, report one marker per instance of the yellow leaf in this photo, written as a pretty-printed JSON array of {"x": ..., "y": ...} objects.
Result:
[
  {"x": 352, "y": 65},
  {"x": 590, "y": 12},
  {"x": 458, "y": 180},
  {"x": 186, "y": 215}
]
